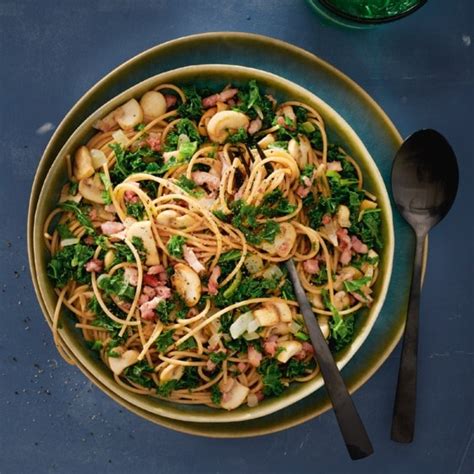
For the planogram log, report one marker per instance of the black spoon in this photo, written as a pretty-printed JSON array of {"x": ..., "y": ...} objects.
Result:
[
  {"x": 352, "y": 429},
  {"x": 424, "y": 185}
]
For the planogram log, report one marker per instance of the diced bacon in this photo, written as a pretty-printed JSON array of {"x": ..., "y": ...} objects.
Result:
[
  {"x": 326, "y": 219},
  {"x": 107, "y": 123},
  {"x": 93, "y": 214},
  {"x": 110, "y": 208},
  {"x": 163, "y": 277},
  {"x": 89, "y": 240},
  {"x": 270, "y": 345},
  {"x": 308, "y": 347},
  {"x": 156, "y": 269},
  {"x": 281, "y": 121},
  {"x": 254, "y": 356},
  {"x": 147, "y": 310},
  {"x": 131, "y": 196},
  {"x": 302, "y": 191},
  {"x": 163, "y": 291},
  {"x": 358, "y": 245},
  {"x": 154, "y": 143},
  {"x": 334, "y": 166},
  {"x": 192, "y": 312},
  {"x": 212, "y": 286},
  {"x": 260, "y": 396},
  {"x": 306, "y": 350},
  {"x": 242, "y": 366},
  {"x": 143, "y": 299},
  {"x": 231, "y": 102},
  {"x": 149, "y": 291},
  {"x": 210, "y": 366},
  {"x": 94, "y": 265},
  {"x": 203, "y": 178},
  {"x": 311, "y": 266},
  {"x": 224, "y": 96},
  {"x": 111, "y": 227},
  {"x": 131, "y": 276},
  {"x": 254, "y": 126},
  {"x": 151, "y": 280},
  {"x": 170, "y": 100},
  {"x": 192, "y": 260},
  {"x": 344, "y": 246}
]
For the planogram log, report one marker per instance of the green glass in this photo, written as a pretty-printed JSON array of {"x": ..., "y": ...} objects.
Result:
[{"x": 371, "y": 11}]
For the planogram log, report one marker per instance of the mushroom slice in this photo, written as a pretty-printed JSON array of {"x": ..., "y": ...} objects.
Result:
[
  {"x": 223, "y": 123},
  {"x": 284, "y": 312},
  {"x": 119, "y": 364},
  {"x": 267, "y": 315},
  {"x": 235, "y": 397},
  {"x": 92, "y": 189},
  {"x": 82, "y": 163},
  {"x": 67, "y": 196},
  {"x": 129, "y": 115},
  {"x": 290, "y": 348},
  {"x": 187, "y": 284},
  {"x": 153, "y": 104},
  {"x": 283, "y": 242},
  {"x": 323, "y": 322},
  {"x": 142, "y": 230},
  {"x": 172, "y": 372},
  {"x": 343, "y": 216}
]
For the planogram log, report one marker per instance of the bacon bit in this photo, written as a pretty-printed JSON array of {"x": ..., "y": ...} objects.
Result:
[
  {"x": 334, "y": 166},
  {"x": 131, "y": 276},
  {"x": 147, "y": 310},
  {"x": 170, "y": 100},
  {"x": 89, "y": 240},
  {"x": 302, "y": 191},
  {"x": 163, "y": 276},
  {"x": 149, "y": 291},
  {"x": 210, "y": 366},
  {"x": 163, "y": 291},
  {"x": 326, "y": 219},
  {"x": 131, "y": 196},
  {"x": 224, "y": 96},
  {"x": 151, "y": 280},
  {"x": 192, "y": 260},
  {"x": 212, "y": 286},
  {"x": 358, "y": 245},
  {"x": 156, "y": 269},
  {"x": 111, "y": 227},
  {"x": 192, "y": 312},
  {"x": 143, "y": 299},
  {"x": 231, "y": 102},
  {"x": 254, "y": 126},
  {"x": 154, "y": 143},
  {"x": 308, "y": 347},
  {"x": 281, "y": 121},
  {"x": 202, "y": 178},
  {"x": 311, "y": 266},
  {"x": 94, "y": 265},
  {"x": 270, "y": 345},
  {"x": 344, "y": 246},
  {"x": 226, "y": 386},
  {"x": 110, "y": 208},
  {"x": 254, "y": 356},
  {"x": 93, "y": 214},
  {"x": 242, "y": 366}
]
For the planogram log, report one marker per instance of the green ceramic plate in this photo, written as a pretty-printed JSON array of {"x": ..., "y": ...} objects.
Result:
[
  {"x": 215, "y": 77},
  {"x": 367, "y": 119}
]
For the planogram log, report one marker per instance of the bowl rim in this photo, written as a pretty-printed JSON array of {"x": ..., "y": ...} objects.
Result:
[{"x": 358, "y": 147}]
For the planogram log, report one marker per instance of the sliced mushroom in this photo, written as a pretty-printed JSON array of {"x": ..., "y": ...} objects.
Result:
[
  {"x": 323, "y": 322},
  {"x": 253, "y": 263},
  {"x": 317, "y": 301},
  {"x": 235, "y": 397},
  {"x": 107, "y": 123},
  {"x": 343, "y": 216},
  {"x": 294, "y": 149},
  {"x": 98, "y": 158},
  {"x": 172, "y": 372},
  {"x": 109, "y": 259},
  {"x": 266, "y": 141},
  {"x": 187, "y": 283},
  {"x": 142, "y": 230},
  {"x": 119, "y": 364},
  {"x": 83, "y": 163},
  {"x": 284, "y": 312},
  {"x": 166, "y": 217},
  {"x": 223, "y": 123},
  {"x": 341, "y": 300},
  {"x": 290, "y": 348},
  {"x": 153, "y": 104},
  {"x": 67, "y": 196},
  {"x": 92, "y": 189},
  {"x": 267, "y": 315},
  {"x": 283, "y": 242},
  {"x": 129, "y": 114}
]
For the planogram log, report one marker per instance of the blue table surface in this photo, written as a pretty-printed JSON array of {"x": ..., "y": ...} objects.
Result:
[{"x": 420, "y": 70}]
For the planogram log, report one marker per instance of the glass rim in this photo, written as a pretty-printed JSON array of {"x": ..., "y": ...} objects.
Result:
[{"x": 347, "y": 16}]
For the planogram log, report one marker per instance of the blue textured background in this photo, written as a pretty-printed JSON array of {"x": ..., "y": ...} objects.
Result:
[{"x": 420, "y": 70}]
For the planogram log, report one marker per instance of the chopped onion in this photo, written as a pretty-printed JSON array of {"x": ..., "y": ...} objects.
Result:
[
  {"x": 251, "y": 336},
  {"x": 214, "y": 340},
  {"x": 239, "y": 326},
  {"x": 294, "y": 327},
  {"x": 120, "y": 138},
  {"x": 71, "y": 241},
  {"x": 253, "y": 325},
  {"x": 252, "y": 400},
  {"x": 98, "y": 158},
  {"x": 273, "y": 271},
  {"x": 253, "y": 263}
]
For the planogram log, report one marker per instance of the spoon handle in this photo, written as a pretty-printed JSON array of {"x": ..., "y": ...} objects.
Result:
[
  {"x": 352, "y": 429},
  {"x": 403, "y": 421}
]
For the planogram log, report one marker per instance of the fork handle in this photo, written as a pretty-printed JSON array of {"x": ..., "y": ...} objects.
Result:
[{"x": 403, "y": 421}]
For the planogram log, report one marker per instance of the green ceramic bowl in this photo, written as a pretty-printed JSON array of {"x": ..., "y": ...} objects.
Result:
[{"x": 215, "y": 77}]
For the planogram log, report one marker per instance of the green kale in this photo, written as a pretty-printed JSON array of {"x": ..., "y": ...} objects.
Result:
[
  {"x": 102, "y": 320},
  {"x": 188, "y": 344},
  {"x": 217, "y": 357},
  {"x": 183, "y": 127},
  {"x": 192, "y": 108},
  {"x": 165, "y": 389},
  {"x": 190, "y": 379},
  {"x": 216, "y": 395},
  {"x": 320, "y": 278},
  {"x": 69, "y": 264},
  {"x": 139, "y": 373},
  {"x": 175, "y": 246},
  {"x": 64, "y": 232},
  {"x": 240, "y": 136},
  {"x": 227, "y": 261},
  {"x": 226, "y": 321},
  {"x": 254, "y": 104},
  {"x": 164, "y": 340},
  {"x": 107, "y": 184},
  {"x": 287, "y": 290},
  {"x": 369, "y": 228},
  {"x": 356, "y": 285},
  {"x": 342, "y": 331},
  {"x": 189, "y": 186},
  {"x": 81, "y": 216},
  {"x": 271, "y": 377},
  {"x": 116, "y": 285},
  {"x": 135, "y": 209},
  {"x": 274, "y": 204},
  {"x": 73, "y": 187},
  {"x": 298, "y": 368},
  {"x": 164, "y": 310}
]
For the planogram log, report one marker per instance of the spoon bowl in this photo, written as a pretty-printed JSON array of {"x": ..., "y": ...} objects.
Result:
[{"x": 424, "y": 184}]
